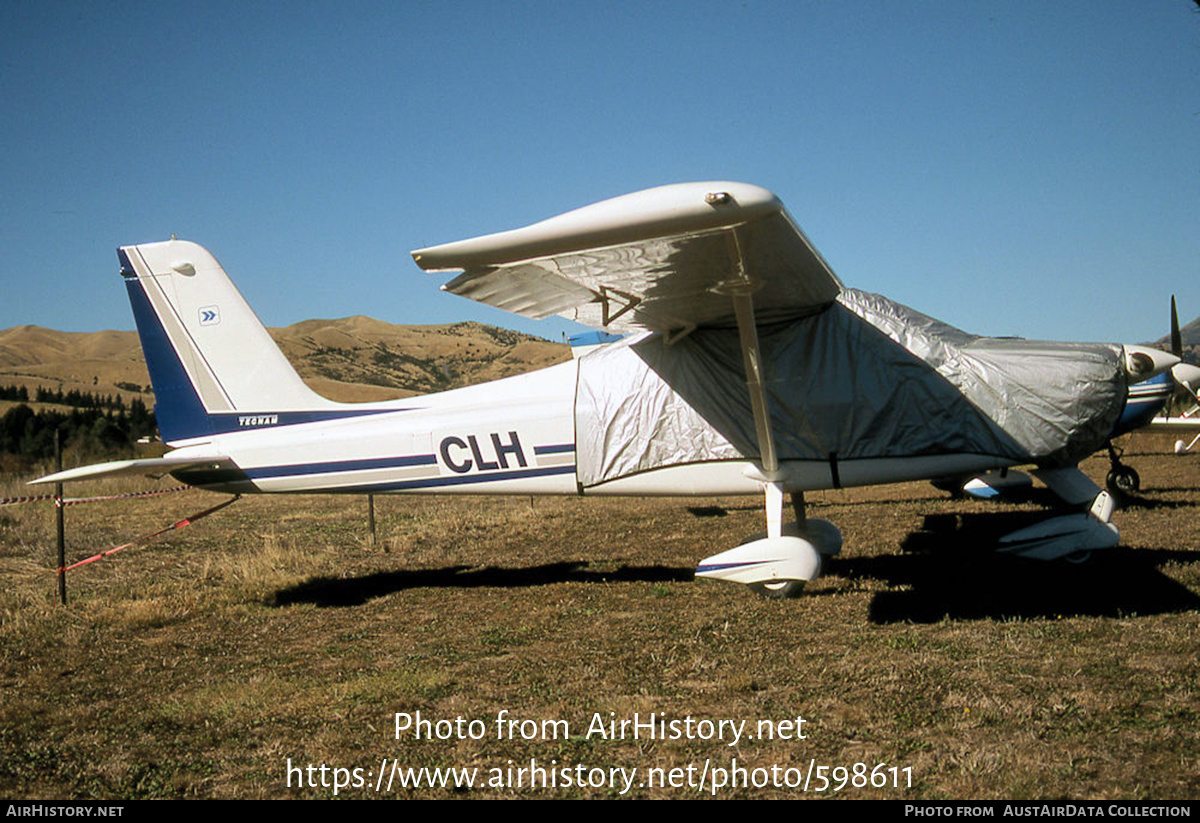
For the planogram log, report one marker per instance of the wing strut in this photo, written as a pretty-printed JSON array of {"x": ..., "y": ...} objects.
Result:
[{"x": 740, "y": 289}]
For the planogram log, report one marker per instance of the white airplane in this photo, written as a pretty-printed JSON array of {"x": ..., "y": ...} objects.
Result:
[
  {"x": 1187, "y": 422},
  {"x": 747, "y": 368}
]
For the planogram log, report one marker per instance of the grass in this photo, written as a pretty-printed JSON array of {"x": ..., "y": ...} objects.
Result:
[{"x": 199, "y": 664}]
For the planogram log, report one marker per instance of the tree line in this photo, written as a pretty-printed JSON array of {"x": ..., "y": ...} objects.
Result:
[
  {"x": 96, "y": 425},
  {"x": 74, "y": 398}
]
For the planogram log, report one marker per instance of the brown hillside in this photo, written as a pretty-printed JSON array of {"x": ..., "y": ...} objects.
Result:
[
  {"x": 354, "y": 359},
  {"x": 411, "y": 359},
  {"x": 31, "y": 345}
]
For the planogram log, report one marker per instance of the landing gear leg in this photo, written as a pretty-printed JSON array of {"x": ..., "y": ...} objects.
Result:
[
  {"x": 1122, "y": 480},
  {"x": 778, "y": 589},
  {"x": 822, "y": 535},
  {"x": 774, "y": 502},
  {"x": 783, "y": 589},
  {"x": 799, "y": 509}
]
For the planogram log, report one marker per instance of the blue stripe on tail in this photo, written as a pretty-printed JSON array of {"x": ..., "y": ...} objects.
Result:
[{"x": 177, "y": 406}]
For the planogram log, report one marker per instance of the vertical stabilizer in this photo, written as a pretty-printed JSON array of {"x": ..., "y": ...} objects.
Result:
[{"x": 213, "y": 365}]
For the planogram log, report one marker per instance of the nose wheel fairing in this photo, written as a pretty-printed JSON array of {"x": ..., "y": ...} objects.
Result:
[{"x": 778, "y": 562}]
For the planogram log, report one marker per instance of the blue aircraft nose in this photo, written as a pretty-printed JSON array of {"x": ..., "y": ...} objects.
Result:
[{"x": 1143, "y": 401}]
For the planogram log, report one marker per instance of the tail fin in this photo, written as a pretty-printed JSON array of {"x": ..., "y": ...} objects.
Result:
[{"x": 213, "y": 365}]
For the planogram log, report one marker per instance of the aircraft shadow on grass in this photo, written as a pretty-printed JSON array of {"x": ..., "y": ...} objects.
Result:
[
  {"x": 930, "y": 580},
  {"x": 950, "y": 569},
  {"x": 1146, "y": 503},
  {"x": 355, "y": 591}
]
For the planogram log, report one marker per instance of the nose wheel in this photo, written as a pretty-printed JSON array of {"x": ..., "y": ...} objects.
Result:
[
  {"x": 779, "y": 590},
  {"x": 1121, "y": 480}
]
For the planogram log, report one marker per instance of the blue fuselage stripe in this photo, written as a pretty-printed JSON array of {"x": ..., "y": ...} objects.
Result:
[
  {"x": 463, "y": 480},
  {"x": 408, "y": 461},
  {"x": 566, "y": 448},
  {"x": 404, "y": 485},
  {"x": 342, "y": 466},
  {"x": 226, "y": 422}
]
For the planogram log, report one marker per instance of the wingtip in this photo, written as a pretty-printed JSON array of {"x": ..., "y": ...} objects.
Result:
[{"x": 645, "y": 214}]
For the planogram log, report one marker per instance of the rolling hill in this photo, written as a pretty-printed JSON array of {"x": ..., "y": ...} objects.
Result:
[{"x": 352, "y": 359}]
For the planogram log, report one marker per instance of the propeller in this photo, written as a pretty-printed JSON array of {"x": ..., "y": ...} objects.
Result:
[
  {"x": 1186, "y": 376},
  {"x": 1176, "y": 337}
]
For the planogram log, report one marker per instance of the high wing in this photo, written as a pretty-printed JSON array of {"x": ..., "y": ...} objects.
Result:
[{"x": 666, "y": 259}]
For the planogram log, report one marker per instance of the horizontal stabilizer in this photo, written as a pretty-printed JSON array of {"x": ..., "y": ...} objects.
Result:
[{"x": 156, "y": 466}]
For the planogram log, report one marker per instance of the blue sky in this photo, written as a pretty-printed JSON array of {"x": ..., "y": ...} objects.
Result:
[{"x": 1025, "y": 168}]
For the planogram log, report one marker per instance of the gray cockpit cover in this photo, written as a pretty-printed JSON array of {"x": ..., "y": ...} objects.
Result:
[{"x": 864, "y": 378}]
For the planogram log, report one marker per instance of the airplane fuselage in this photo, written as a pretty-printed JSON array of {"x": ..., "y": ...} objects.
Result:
[
  {"x": 514, "y": 437},
  {"x": 511, "y": 436}
]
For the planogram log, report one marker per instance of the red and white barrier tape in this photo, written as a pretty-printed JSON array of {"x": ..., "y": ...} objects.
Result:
[
  {"x": 187, "y": 521},
  {"x": 34, "y": 498},
  {"x": 73, "y": 501}
]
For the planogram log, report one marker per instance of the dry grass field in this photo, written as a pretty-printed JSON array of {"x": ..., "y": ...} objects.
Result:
[{"x": 200, "y": 664}]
